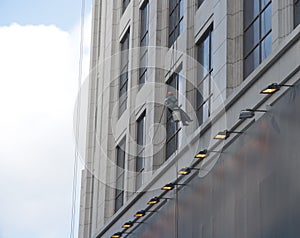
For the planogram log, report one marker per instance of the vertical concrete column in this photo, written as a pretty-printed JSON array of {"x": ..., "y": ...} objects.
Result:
[
  {"x": 190, "y": 64},
  {"x": 235, "y": 36},
  {"x": 87, "y": 183},
  {"x": 109, "y": 90},
  {"x": 282, "y": 20}
]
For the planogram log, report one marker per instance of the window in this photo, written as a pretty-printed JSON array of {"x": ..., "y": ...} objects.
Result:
[
  {"x": 144, "y": 43},
  {"x": 257, "y": 33},
  {"x": 200, "y": 2},
  {"x": 176, "y": 10},
  {"x": 140, "y": 139},
  {"x": 297, "y": 12},
  {"x": 119, "y": 199},
  {"x": 204, "y": 87},
  {"x": 172, "y": 126},
  {"x": 125, "y": 4},
  {"x": 123, "y": 83}
]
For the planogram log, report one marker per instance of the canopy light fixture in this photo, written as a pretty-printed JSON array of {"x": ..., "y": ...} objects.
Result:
[
  {"x": 153, "y": 201},
  {"x": 140, "y": 213},
  {"x": 186, "y": 171},
  {"x": 201, "y": 154},
  {"x": 128, "y": 224},
  {"x": 204, "y": 153},
  {"x": 249, "y": 113},
  {"x": 223, "y": 135},
  {"x": 116, "y": 235},
  {"x": 274, "y": 87},
  {"x": 169, "y": 186}
]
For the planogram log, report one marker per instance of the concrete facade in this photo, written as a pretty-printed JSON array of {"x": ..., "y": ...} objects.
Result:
[{"x": 230, "y": 93}]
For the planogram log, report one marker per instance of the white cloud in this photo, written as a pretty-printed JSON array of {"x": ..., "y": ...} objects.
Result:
[{"x": 38, "y": 78}]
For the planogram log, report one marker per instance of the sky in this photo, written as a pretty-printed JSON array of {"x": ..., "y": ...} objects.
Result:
[{"x": 39, "y": 55}]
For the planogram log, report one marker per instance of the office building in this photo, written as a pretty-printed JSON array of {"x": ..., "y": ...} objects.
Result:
[{"x": 167, "y": 76}]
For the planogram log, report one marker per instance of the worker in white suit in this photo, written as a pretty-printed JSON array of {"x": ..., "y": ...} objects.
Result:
[{"x": 177, "y": 113}]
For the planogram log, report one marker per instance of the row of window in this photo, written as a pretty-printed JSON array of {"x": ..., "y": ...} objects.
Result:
[
  {"x": 139, "y": 162},
  {"x": 123, "y": 81},
  {"x": 119, "y": 194},
  {"x": 257, "y": 46},
  {"x": 257, "y": 33},
  {"x": 144, "y": 39},
  {"x": 176, "y": 10}
]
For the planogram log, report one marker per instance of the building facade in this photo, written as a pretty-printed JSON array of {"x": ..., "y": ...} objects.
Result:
[{"x": 204, "y": 60}]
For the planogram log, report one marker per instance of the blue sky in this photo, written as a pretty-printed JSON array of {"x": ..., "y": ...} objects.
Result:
[
  {"x": 62, "y": 13},
  {"x": 39, "y": 55}
]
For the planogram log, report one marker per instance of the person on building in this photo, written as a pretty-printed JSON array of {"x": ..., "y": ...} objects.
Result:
[{"x": 178, "y": 114}]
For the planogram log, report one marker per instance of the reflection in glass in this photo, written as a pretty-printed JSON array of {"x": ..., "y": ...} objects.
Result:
[
  {"x": 266, "y": 21},
  {"x": 264, "y": 3},
  {"x": 266, "y": 46}
]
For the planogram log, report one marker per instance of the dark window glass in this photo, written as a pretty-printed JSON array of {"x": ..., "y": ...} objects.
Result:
[
  {"x": 251, "y": 61},
  {"x": 257, "y": 33},
  {"x": 203, "y": 95},
  {"x": 171, "y": 126},
  {"x": 176, "y": 12},
  {"x": 141, "y": 138},
  {"x": 251, "y": 36},
  {"x": 297, "y": 12},
  {"x": 119, "y": 199},
  {"x": 251, "y": 11},
  {"x": 200, "y": 2},
  {"x": 144, "y": 43},
  {"x": 125, "y": 4},
  {"x": 204, "y": 52},
  {"x": 123, "y": 82}
]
